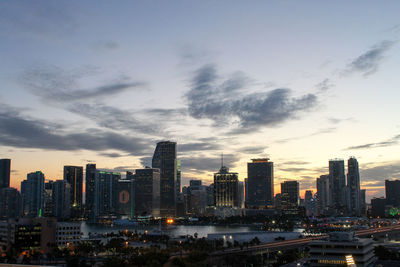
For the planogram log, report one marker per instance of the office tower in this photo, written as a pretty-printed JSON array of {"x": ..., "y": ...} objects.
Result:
[
  {"x": 246, "y": 193},
  {"x": 337, "y": 183},
  {"x": 210, "y": 195},
  {"x": 147, "y": 192},
  {"x": 260, "y": 180},
  {"x": 5, "y": 165},
  {"x": 32, "y": 191},
  {"x": 290, "y": 192},
  {"x": 10, "y": 203},
  {"x": 309, "y": 203},
  {"x": 353, "y": 187},
  {"x": 378, "y": 207},
  {"x": 241, "y": 195},
  {"x": 323, "y": 195},
  {"x": 392, "y": 189},
  {"x": 106, "y": 197},
  {"x": 48, "y": 199},
  {"x": 74, "y": 176},
  {"x": 90, "y": 188},
  {"x": 61, "y": 199},
  {"x": 164, "y": 158},
  {"x": 363, "y": 204},
  {"x": 126, "y": 198},
  {"x": 178, "y": 177},
  {"x": 226, "y": 188}
]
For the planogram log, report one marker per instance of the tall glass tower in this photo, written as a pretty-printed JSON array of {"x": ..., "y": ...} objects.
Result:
[
  {"x": 337, "y": 184},
  {"x": 164, "y": 158},
  {"x": 353, "y": 187},
  {"x": 74, "y": 176},
  {"x": 5, "y": 173},
  {"x": 260, "y": 181}
]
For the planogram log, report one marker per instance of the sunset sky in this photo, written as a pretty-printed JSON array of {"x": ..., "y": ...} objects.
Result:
[{"x": 300, "y": 82}]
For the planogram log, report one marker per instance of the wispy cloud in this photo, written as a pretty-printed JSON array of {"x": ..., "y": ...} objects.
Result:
[
  {"x": 26, "y": 132},
  {"x": 209, "y": 98},
  {"x": 318, "y": 132},
  {"x": 56, "y": 84},
  {"x": 389, "y": 142},
  {"x": 368, "y": 62}
]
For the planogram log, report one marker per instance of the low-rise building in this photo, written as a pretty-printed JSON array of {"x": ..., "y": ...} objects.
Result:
[
  {"x": 68, "y": 234},
  {"x": 339, "y": 249}
]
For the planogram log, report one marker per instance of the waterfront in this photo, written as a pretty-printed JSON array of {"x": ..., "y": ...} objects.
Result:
[{"x": 173, "y": 231}]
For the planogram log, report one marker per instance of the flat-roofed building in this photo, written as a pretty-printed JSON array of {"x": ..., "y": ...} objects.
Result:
[{"x": 339, "y": 248}]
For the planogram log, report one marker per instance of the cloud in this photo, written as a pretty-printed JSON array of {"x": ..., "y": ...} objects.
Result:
[
  {"x": 56, "y": 84},
  {"x": 38, "y": 19},
  {"x": 252, "y": 149},
  {"x": 368, "y": 62},
  {"x": 206, "y": 164},
  {"x": 114, "y": 118},
  {"x": 106, "y": 45},
  {"x": 324, "y": 85},
  {"x": 337, "y": 121},
  {"x": 113, "y": 155},
  {"x": 318, "y": 132},
  {"x": 226, "y": 102},
  {"x": 379, "y": 172},
  {"x": 25, "y": 132},
  {"x": 389, "y": 142},
  {"x": 198, "y": 146}
]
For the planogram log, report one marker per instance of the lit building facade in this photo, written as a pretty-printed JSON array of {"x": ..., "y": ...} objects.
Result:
[
  {"x": 226, "y": 188},
  {"x": 74, "y": 176}
]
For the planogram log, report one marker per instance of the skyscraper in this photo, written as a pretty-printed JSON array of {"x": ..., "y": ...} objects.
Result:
[
  {"x": 323, "y": 195},
  {"x": 90, "y": 188},
  {"x": 10, "y": 203},
  {"x": 61, "y": 199},
  {"x": 290, "y": 194},
  {"x": 392, "y": 189},
  {"x": 337, "y": 184},
  {"x": 226, "y": 185},
  {"x": 126, "y": 197},
  {"x": 5, "y": 165},
  {"x": 147, "y": 192},
  {"x": 32, "y": 191},
  {"x": 164, "y": 158},
  {"x": 260, "y": 183},
  {"x": 353, "y": 187},
  {"x": 106, "y": 197},
  {"x": 363, "y": 204},
  {"x": 178, "y": 177},
  {"x": 74, "y": 176}
]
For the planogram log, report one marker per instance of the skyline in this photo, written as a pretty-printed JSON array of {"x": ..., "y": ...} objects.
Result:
[{"x": 300, "y": 83}]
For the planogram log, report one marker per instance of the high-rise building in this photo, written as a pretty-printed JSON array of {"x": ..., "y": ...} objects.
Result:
[
  {"x": 226, "y": 188},
  {"x": 5, "y": 165},
  {"x": 90, "y": 188},
  {"x": 164, "y": 158},
  {"x": 353, "y": 187},
  {"x": 48, "y": 199},
  {"x": 106, "y": 197},
  {"x": 241, "y": 195},
  {"x": 74, "y": 176},
  {"x": 32, "y": 191},
  {"x": 178, "y": 177},
  {"x": 10, "y": 203},
  {"x": 378, "y": 207},
  {"x": 363, "y": 204},
  {"x": 392, "y": 189},
  {"x": 290, "y": 194},
  {"x": 323, "y": 195},
  {"x": 337, "y": 183},
  {"x": 126, "y": 198},
  {"x": 309, "y": 203},
  {"x": 61, "y": 199},
  {"x": 147, "y": 192},
  {"x": 260, "y": 181}
]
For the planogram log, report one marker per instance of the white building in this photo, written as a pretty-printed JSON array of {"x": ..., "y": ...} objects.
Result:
[
  {"x": 339, "y": 248},
  {"x": 68, "y": 234}
]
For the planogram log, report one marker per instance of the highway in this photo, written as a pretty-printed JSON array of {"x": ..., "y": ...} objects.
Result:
[{"x": 286, "y": 244}]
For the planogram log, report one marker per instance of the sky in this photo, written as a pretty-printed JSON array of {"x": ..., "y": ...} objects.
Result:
[{"x": 299, "y": 82}]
